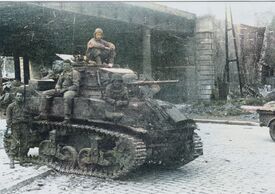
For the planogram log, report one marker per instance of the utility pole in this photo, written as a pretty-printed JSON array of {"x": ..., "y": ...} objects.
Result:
[
  {"x": 236, "y": 54},
  {"x": 236, "y": 59},
  {"x": 226, "y": 72}
]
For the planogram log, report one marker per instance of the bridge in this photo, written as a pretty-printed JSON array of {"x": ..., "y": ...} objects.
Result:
[{"x": 151, "y": 39}]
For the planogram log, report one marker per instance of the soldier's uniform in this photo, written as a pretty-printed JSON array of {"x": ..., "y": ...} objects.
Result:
[
  {"x": 116, "y": 95},
  {"x": 96, "y": 50},
  {"x": 113, "y": 95},
  {"x": 17, "y": 122},
  {"x": 140, "y": 91},
  {"x": 68, "y": 87}
]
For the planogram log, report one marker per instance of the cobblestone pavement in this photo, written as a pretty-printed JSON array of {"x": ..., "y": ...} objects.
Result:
[{"x": 237, "y": 159}]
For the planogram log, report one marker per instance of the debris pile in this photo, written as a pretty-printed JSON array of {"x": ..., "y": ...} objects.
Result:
[{"x": 221, "y": 109}]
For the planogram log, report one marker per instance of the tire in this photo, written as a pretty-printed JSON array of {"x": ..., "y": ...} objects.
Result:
[{"x": 272, "y": 130}]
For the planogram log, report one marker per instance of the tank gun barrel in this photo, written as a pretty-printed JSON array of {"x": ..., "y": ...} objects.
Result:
[{"x": 153, "y": 82}]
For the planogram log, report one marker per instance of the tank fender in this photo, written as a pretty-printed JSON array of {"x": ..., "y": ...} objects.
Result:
[
  {"x": 171, "y": 111},
  {"x": 175, "y": 114}
]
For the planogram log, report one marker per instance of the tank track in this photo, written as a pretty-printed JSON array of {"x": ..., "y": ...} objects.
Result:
[
  {"x": 139, "y": 151},
  {"x": 198, "y": 145},
  {"x": 140, "y": 154},
  {"x": 195, "y": 145}
]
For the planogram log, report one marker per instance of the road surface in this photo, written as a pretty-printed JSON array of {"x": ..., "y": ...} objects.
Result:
[{"x": 237, "y": 159}]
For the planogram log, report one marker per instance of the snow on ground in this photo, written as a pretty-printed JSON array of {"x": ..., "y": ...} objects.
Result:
[
  {"x": 237, "y": 159},
  {"x": 2, "y": 131},
  {"x": 10, "y": 177}
]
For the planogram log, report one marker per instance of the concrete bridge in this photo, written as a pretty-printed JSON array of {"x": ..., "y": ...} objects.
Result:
[{"x": 150, "y": 38}]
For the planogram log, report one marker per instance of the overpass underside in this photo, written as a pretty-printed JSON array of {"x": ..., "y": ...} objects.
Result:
[{"x": 150, "y": 40}]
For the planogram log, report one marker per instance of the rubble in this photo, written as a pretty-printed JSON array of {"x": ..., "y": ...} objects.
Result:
[{"x": 231, "y": 109}]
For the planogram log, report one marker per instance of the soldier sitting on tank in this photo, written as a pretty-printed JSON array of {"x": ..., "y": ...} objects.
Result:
[
  {"x": 17, "y": 130},
  {"x": 116, "y": 94},
  {"x": 99, "y": 50},
  {"x": 54, "y": 72},
  {"x": 66, "y": 86}
]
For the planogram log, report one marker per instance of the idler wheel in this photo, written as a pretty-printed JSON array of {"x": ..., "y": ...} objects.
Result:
[
  {"x": 124, "y": 152},
  {"x": 47, "y": 150},
  {"x": 69, "y": 156}
]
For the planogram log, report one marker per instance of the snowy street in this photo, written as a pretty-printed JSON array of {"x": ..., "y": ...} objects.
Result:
[{"x": 237, "y": 159}]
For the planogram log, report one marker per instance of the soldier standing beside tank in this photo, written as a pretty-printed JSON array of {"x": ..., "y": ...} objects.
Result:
[
  {"x": 17, "y": 130},
  {"x": 100, "y": 50},
  {"x": 68, "y": 87}
]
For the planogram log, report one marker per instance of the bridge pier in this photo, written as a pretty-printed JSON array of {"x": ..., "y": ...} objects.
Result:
[
  {"x": 17, "y": 67},
  {"x": 146, "y": 53},
  {"x": 26, "y": 69}
]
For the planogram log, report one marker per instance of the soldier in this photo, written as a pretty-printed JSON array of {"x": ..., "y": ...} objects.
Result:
[
  {"x": 100, "y": 50},
  {"x": 9, "y": 92},
  {"x": 116, "y": 94},
  {"x": 140, "y": 90},
  {"x": 66, "y": 86},
  {"x": 17, "y": 129}
]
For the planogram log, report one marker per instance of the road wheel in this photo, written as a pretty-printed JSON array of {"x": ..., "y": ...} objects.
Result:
[
  {"x": 69, "y": 158},
  {"x": 272, "y": 130},
  {"x": 87, "y": 157}
]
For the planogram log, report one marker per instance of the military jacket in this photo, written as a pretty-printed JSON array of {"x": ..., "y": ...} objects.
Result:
[
  {"x": 93, "y": 43},
  {"x": 15, "y": 114},
  {"x": 116, "y": 94},
  {"x": 69, "y": 80}
]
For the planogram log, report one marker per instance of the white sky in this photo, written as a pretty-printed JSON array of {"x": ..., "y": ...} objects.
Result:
[{"x": 243, "y": 12}]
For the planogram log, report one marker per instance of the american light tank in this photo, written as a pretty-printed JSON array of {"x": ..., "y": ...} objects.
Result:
[{"x": 148, "y": 131}]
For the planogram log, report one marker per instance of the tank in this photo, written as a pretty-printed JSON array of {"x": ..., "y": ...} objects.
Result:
[
  {"x": 267, "y": 117},
  {"x": 147, "y": 132}
]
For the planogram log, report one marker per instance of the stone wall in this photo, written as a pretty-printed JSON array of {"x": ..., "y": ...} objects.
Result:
[{"x": 204, "y": 57}]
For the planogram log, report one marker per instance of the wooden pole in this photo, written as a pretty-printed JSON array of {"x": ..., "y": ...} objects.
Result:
[
  {"x": 236, "y": 53},
  {"x": 226, "y": 72}
]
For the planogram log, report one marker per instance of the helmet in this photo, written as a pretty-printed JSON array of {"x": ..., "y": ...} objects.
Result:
[
  {"x": 98, "y": 30},
  {"x": 116, "y": 77}
]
